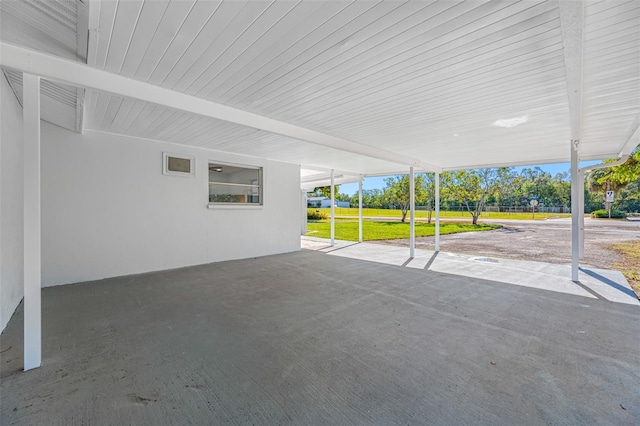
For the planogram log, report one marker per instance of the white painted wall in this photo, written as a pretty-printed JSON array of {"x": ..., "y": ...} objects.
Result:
[
  {"x": 11, "y": 237},
  {"x": 108, "y": 210}
]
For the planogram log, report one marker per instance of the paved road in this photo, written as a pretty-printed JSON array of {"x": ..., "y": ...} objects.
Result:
[
  {"x": 631, "y": 225},
  {"x": 539, "y": 240}
]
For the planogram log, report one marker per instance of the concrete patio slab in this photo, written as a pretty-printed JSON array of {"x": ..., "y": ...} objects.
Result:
[
  {"x": 594, "y": 283},
  {"x": 308, "y": 338}
]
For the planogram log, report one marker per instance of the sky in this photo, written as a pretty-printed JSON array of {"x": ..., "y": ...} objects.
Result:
[{"x": 378, "y": 181}]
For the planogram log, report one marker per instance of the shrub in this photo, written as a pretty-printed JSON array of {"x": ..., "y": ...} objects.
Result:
[
  {"x": 315, "y": 215},
  {"x": 603, "y": 214}
]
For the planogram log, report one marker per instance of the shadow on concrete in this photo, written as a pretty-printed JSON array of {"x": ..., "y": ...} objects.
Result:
[
  {"x": 406, "y": 262},
  {"x": 433, "y": 258},
  {"x": 340, "y": 248},
  {"x": 589, "y": 290},
  {"x": 609, "y": 282}
]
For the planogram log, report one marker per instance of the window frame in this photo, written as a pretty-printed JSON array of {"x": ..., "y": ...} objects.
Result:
[{"x": 235, "y": 205}]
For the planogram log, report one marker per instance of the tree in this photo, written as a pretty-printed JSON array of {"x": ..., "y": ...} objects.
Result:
[
  {"x": 629, "y": 200},
  {"x": 429, "y": 184},
  {"x": 629, "y": 171},
  {"x": 326, "y": 191},
  {"x": 472, "y": 188},
  {"x": 538, "y": 184},
  {"x": 398, "y": 192},
  {"x": 616, "y": 178},
  {"x": 592, "y": 201},
  {"x": 516, "y": 195},
  {"x": 371, "y": 198},
  {"x": 342, "y": 197},
  {"x": 561, "y": 190}
]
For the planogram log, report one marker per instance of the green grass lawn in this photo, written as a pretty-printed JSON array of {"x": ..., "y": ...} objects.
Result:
[
  {"x": 348, "y": 230},
  {"x": 340, "y": 211},
  {"x": 629, "y": 265}
]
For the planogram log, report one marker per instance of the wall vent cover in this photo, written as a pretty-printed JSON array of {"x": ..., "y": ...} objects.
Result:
[{"x": 178, "y": 165}]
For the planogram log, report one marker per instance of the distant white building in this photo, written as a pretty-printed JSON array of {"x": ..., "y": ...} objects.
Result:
[{"x": 322, "y": 202}]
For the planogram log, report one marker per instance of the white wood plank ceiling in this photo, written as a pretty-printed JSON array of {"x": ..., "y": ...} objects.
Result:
[
  {"x": 51, "y": 26},
  {"x": 456, "y": 84}
]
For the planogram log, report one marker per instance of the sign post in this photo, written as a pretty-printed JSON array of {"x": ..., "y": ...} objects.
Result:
[
  {"x": 608, "y": 199},
  {"x": 533, "y": 203}
]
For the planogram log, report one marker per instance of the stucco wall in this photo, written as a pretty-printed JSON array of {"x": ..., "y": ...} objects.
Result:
[
  {"x": 108, "y": 210},
  {"x": 11, "y": 237}
]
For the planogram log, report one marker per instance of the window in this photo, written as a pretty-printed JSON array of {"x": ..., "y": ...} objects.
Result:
[
  {"x": 178, "y": 165},
  {"x": 235, "y": 184}
]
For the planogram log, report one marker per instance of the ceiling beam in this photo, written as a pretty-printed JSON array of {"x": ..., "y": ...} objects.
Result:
[
  {"x": 318, "y": 183},
  {"x": 327, "y": 171},
  {"x": 77, "y": 74},
  {"x": 633, "y": 138},
  {"x": 82, "y": 29},
  {"x": 572, "y": 25}
]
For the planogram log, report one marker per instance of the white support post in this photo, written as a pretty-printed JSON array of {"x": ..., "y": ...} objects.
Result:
[
  {"x": 575, "y": 211},
  {"x": 572, "y": 24},
  {"x": 333, "y": 210},
  {"x": 303, "y": 200},
  {"x": 412, "y": 214},
  {"x": 360, "y": 209},
  {"x": 581, "y": 214},
  {"x": 32, "y": 238},
  {"x": 437, "y": 185}
]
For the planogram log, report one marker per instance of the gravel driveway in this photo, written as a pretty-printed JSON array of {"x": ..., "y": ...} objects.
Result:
[{"x": 540, "y": 240}]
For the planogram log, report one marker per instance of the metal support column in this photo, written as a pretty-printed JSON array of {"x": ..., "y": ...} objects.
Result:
[
  {"x": 437, "y": 185},
  {"x": 412, "y": 214},
  {"x": 360, "y": 209},
  {"x": 575, "y": 211},
  {"x": 581, "y": 214},
  {"x": 333, "y": 210},
  {"x": 303, "y": 201},
  {"x": 32, "y": 235}
]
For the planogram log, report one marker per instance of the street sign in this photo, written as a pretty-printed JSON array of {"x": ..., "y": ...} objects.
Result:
[
  {"x": 533, "y": 203},
  {"x": 609, "y": 197}
]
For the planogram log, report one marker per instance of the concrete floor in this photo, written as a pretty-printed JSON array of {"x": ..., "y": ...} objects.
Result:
[
  {"x": 596, "y": 283},
  {"x": 307, "y": 338}
]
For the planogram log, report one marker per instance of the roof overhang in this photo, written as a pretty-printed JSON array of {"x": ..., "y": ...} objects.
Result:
[{"x": 366, "y": 88}]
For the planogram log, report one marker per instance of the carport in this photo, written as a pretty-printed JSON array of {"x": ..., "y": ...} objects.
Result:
[{"x": 297, "y": 93}]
